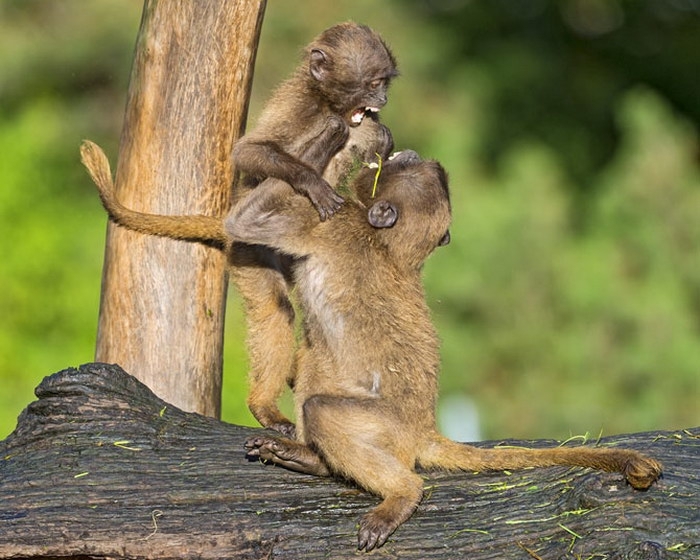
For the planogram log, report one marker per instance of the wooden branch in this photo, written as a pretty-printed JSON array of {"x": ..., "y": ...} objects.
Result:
[
  {"x": 99, "y": 467},
  {"x": 186, "y": 106}
]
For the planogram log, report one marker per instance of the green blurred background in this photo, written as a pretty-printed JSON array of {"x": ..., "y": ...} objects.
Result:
[{"x": 569, "y": 299}]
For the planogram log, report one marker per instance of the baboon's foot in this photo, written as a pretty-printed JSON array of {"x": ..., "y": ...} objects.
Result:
[
  {"x": 270, "y": 417},
  {"x": 375, "y": 529},
  {"x": 378, "y": 525},
  {"x": 286, "y": 453}
]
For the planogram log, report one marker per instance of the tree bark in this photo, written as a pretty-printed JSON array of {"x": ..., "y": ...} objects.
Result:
[
  {"x": 99, "y": 467},
  {"x": 162, "y": 305}
]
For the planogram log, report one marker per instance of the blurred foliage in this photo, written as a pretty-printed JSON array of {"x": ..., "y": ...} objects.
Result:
[
  {"x": 569, "y": 299},
  {"x": 552, "y": 70}
]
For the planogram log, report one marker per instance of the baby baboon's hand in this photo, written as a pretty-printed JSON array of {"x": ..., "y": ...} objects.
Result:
[
  {"x": 337, "y": 131},
  {"x": 326, "y": 201},
  {"x": 385, "y": 141}
]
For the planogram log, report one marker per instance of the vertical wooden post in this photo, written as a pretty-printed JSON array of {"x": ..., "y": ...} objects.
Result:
[{"x": 162, "y": 306}]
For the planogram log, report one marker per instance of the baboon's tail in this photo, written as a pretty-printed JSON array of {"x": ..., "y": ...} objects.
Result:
[
  {"x": 639, "y": 470},
  {"x": 191, "y": 228}
]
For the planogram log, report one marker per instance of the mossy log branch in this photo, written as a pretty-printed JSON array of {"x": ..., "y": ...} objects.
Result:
[{"x": 99, "y": 467}]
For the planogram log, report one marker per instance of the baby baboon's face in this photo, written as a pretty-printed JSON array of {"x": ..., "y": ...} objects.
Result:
[{"x": 353, "y": 68}]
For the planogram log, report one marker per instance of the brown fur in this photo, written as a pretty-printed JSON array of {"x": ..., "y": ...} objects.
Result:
[
  {"x": 195, "y": 228},
  {"x": 367, "y": 376},
  {"x": 346, "y": 69},
  {"x": 306, "y": 122},
  {"x": 261, "y": 274}
]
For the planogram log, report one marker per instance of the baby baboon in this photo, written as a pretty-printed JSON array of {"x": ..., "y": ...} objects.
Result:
[
  {"x": 367, "y": 375},
  {"x": 345, "y": 75},
  {"x": 342, "y": 82}
]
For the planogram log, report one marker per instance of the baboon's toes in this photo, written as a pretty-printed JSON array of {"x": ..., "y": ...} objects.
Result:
[
  {"x": 374, "y": 531},
  {"x": 641, "y": 472},
  {"x": 259, "y": 446},
  {"x": 272, "y": 449},
  {"x": 252, "y": 447}
]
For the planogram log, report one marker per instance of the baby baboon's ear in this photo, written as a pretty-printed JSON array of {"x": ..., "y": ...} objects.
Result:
[
  {"x": 318, "y": 64},
  {"x": 382, "y": 214}
]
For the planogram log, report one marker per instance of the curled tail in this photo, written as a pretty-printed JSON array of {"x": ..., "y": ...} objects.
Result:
[
  {"x": 639, "y": 470},
  {"x": 191, "y": 228}
]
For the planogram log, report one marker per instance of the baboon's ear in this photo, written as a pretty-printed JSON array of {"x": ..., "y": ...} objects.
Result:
[
  {"x": 382, "y": 214},
  {"x": 318, "y": 64},
  {"x": 445, "y": 239}
]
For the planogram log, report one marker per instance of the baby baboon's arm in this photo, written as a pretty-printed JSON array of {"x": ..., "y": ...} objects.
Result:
[
  {"x": 267, "y": 159},
  {"x": 275, "y": 216}
]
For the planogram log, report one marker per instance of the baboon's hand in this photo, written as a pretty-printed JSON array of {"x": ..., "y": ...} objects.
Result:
[
  {"x": 326, "y": 201},
  {"x": 338, "y": 131},
  {"x": 385, "y": 142}
]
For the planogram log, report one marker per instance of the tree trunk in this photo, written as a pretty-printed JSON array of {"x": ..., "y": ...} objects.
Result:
[
  {"x": 162, "y": 306},
  {"x": 99, "y": 467}
]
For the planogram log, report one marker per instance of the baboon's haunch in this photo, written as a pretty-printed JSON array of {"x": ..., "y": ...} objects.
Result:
[{"x": 367, "y": 376}]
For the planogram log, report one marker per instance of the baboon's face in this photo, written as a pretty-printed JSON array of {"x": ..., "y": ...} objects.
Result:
[
  {"x": 353, "y": 69},
  {"x": 411, "y": 203}
]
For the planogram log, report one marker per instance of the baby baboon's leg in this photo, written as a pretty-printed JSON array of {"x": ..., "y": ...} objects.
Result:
[
  {"x": 259, "y": 275},
  {"x": 357, "y": 439},
  {"x": 639, "y": 470}
]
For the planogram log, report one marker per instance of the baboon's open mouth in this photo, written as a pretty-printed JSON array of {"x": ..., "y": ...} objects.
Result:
[{"x": 359, "y": 114}]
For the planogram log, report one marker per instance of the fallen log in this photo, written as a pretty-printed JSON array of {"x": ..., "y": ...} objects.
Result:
[{"x": 99, "y": 467}]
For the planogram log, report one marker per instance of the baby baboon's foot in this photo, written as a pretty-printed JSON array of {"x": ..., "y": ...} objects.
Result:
[
  {"x": 287, "y": 429},
  {"x": 286, "y": 453},
  {"x": 641, "y": 471},
  {"x": 268, "y": 449}
]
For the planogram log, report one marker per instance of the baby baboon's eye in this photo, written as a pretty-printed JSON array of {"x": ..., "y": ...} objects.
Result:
[{"x": 374, "y": 84}]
